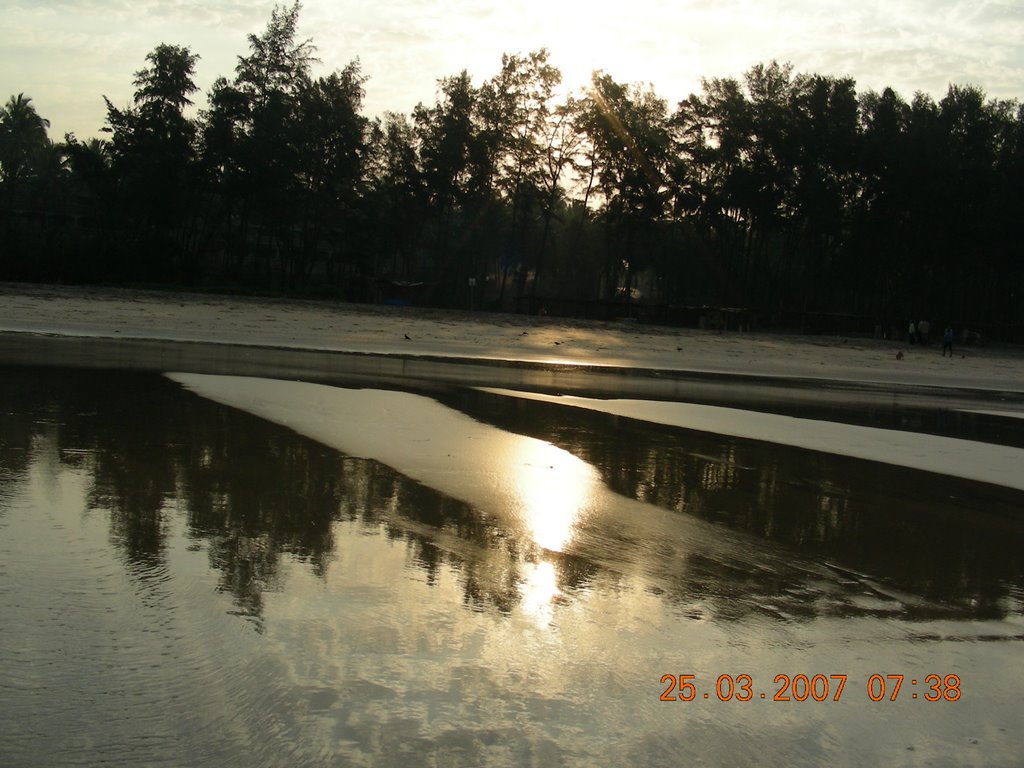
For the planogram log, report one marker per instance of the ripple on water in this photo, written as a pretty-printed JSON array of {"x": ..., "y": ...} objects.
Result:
[{"x": 110, "y": 659}]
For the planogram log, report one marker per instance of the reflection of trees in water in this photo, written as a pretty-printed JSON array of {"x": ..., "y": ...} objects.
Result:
[
  {"x": 254, "y": 493},
  {"x": 134, "y": 483},
  {"x": 443, "y": 531},
  {"x": 945, "y": 539},
  {"x": 250, "y": 490},
  {"x": 17, "y": 432}
]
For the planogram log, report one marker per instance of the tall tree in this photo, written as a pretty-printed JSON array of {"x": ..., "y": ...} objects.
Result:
[
  {"x": 448, "y": 140},
  {"x": 558, "y": 153},
  {"x": 396, "y": 203},
  {"x": 269, "y": 80},
  {"x": 22, "y": 135},
  {"x": 514, "y": 112},
  {"x": 23, "y": 142},
  {"x": 826, "y": 144},
  {"x": 332, "y": 144},
  {"x": 287, "y": 153},
  {"x": 1005, "y": 279},
  {"x": 627, "y": 131},
  {"x": 153, "y": 151},
  {"x": 881, "y": 225},
  {"x": 278, "y": 64},
  {"x": 712, "y": 132}
]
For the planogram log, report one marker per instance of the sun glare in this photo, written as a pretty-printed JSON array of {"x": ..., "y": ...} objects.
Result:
[
  {"x": 538, "y": 590},
  {"x": 555, "y": 489},
  {"x": 582, "y": 42},
  {"x": 576, "y": 59}
]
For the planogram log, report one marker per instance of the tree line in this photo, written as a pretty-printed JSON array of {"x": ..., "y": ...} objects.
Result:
[{"x": 787, "y": 195}]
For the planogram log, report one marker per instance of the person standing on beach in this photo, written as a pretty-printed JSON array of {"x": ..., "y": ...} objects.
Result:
[
  {"x": 912, "y": 333},
  {"x": 947, "y": 342},
  {"x": 924, "y": 329}
]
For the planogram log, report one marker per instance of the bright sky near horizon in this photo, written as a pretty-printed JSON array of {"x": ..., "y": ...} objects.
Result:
[{"x": 67, "y": 54}]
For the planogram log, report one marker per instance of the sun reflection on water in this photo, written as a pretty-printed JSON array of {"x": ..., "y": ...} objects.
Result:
[
  {"x": 538, "y": 590},
  {"x": 555, "y": 491}
]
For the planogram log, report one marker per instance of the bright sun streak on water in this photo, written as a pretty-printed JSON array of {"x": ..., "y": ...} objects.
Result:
[
  {"x": 555, "y": 490},
  {"x": 538, "y": 590}
]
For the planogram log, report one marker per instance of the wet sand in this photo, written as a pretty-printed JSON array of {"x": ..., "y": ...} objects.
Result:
[{"x": 513, "y": 342}]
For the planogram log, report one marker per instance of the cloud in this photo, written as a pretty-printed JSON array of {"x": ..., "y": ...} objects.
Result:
[
  {"x": 66, "y": 53},
  {"x": 227, "y": 12}
]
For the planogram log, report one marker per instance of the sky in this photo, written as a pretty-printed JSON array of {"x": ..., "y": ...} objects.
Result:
[{"x": 67, "y": 54}]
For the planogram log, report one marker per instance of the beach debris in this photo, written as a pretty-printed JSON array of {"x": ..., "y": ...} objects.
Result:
[
  {"x": 899, "y": 355},
  {"x": 407, "y": 337}
]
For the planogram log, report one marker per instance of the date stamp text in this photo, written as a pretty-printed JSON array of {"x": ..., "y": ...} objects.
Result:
[{"x": 818, "y": 687}]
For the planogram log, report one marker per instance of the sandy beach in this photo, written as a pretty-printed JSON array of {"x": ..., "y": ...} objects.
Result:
[{"x": 420, "y": 334}]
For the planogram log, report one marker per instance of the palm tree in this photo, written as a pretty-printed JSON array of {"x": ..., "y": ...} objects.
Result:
[
  {"x": 22, "y": 139},
  {"x": 22, "y": 134}
]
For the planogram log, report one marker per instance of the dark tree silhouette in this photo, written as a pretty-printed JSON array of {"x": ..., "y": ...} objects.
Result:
[
  {"x": 22, "y": 139},
  {"x": 787, "y": 196},
  {"x": 153, "y": 151},
  {"x": 23, "y": 146},
  {"x": 627, "y": 151}
]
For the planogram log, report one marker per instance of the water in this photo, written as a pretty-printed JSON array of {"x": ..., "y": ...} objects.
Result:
[{"x": 484, "y": 580}]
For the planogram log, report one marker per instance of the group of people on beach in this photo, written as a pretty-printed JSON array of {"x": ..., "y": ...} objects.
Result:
[{"x": 920, "y": 333}]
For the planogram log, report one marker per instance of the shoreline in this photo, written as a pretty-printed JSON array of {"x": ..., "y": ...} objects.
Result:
[
  {"x": 18, "y": 346},
  {"x": 518, "y": 346}
]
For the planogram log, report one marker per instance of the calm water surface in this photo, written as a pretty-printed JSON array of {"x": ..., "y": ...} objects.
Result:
[{"x": 185, "y": 583}]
